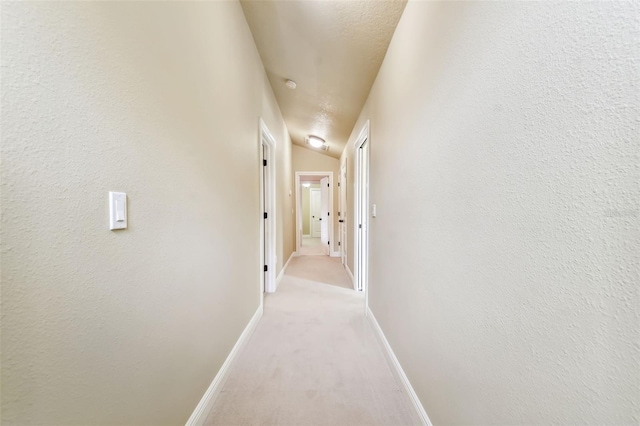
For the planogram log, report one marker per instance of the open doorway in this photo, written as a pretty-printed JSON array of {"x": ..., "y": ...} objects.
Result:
[{"x": 314, "y": 209}]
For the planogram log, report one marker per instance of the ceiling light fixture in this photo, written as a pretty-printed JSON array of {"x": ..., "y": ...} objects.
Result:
[
  {"x": 290, "y": 84},
  {"x": 315, "y": 141},
  {"x": 306, "y": 185}
]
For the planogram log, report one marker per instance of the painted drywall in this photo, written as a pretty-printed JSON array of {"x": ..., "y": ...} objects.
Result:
[
  {"x": 306, "y": 207},
  {"x": 504, "y": 262},
  {"x": 306, "y": 160},
  {"x": 160, "y": 100}
]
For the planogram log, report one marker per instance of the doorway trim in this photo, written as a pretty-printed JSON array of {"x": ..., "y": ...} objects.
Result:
[
  {"x": 361, "y": 208},
  {"x": 267, "y": 151},
  {"x": 298, "y": 185}
]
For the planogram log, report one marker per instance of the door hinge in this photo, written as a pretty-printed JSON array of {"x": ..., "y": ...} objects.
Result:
[
  {"x": 328, "y": 213},
  {"x": 266, "y": 268},
  {"x": 339, "y": 242},
  {"x": 264, "y": 162},
  {"x": 338, "y": 213},
  {"x": 328, "y": 242},
  {"x": 360, "y": 226},
  {"x": 338, "y": 183},
  {"x": 327, "y": 185},
  {"x": 265, "y": 215}
]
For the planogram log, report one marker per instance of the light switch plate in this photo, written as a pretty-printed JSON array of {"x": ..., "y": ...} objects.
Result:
[
  {"x": 117, "y": 210},
  {"x": 374, "y": 210}
]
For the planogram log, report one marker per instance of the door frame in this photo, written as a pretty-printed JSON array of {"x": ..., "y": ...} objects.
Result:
[
  {"x": 268, "y": 205},
  {"x": 361, "y": 207},
  {"x": 298, "y": 186}
]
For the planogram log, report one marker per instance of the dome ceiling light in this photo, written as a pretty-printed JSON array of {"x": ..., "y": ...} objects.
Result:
[{"x": 315, "y": 141}]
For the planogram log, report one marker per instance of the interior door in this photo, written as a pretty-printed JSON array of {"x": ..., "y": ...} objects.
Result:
[
  {"x": 265, "y": 239},
  {"x": 362, "y": 186},
  {"x": 342, "y": 214},
  {"x": 315, "y": 212},
  {"x": 324, "y": 213}
]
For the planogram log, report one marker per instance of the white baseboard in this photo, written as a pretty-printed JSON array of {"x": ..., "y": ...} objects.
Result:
[
  {"x": 397, "y": 369},
  {"x": 284, "y": 268},
  {"x": 201, "y": 412},
  {"x": 335, "y": 254},
  {"x": 349, "y": 272}
]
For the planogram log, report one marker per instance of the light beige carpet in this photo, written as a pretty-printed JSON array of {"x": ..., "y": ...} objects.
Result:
[
  {"x": 313, "y": 359},
  {"x": 321, "y": 269},
  {"x": 313, "y": 246}
]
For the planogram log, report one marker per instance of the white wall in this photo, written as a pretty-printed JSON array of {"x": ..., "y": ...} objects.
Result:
[
  {"x": 504, "y": 259},
  {"x": 160, "y": 100}
]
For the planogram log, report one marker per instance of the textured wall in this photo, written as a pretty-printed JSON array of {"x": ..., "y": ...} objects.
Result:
[
  {"x": 306, "y": 160},
  {"x": 505, "y": 148},
  {"x": 160, "y": 100}
]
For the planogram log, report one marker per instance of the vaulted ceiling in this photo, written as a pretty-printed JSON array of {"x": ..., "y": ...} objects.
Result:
[{"x": 332, "y": 50}]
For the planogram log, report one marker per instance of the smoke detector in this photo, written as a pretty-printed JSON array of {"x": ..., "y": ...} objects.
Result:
[{"x": 290, "y": 84}]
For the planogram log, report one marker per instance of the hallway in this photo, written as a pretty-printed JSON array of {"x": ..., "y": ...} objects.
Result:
[
  {"x": 479, "y": 165},
  {"x": 313, "y": 359}
]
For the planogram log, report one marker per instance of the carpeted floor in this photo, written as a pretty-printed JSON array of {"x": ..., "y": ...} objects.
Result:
[
  {"x": 321, "y": 269},
  {"x": 313, "y": 246},
  {"x": 313, "y": 359}
]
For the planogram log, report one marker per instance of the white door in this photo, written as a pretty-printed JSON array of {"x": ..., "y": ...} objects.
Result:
[
  {"x": 268, "y": 209},
  {"x": 265, "y": 198},
  {"x": 342, "y": 214},
  {"x": 315, "y": 212},
  {"x": 324, "y": 213},
  {"x": 362, "y": 211}
]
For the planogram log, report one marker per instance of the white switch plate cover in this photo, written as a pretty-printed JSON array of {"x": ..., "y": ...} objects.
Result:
[
  {"x": 117, "y": 210},
  {"x": 374, "y": 210}
]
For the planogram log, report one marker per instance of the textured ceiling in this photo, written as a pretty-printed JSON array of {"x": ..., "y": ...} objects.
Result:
[{"x": 332, "y": 50}]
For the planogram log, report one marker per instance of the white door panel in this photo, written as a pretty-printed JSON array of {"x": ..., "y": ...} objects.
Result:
[
  {"x": 342, "y": 219},
  {"x": 315, "y": 212},
  {"x": 324, "y": 213}
]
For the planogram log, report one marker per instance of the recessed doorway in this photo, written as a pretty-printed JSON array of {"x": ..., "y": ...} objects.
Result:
[{"x": 313, "y": 212}]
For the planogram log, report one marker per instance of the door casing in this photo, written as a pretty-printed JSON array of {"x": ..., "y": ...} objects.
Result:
[{"x": 267, "y": 150}]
